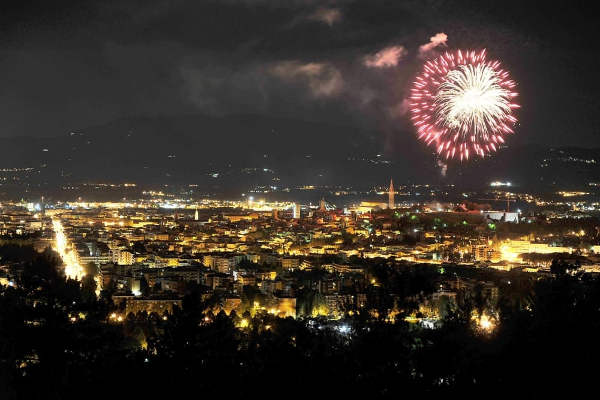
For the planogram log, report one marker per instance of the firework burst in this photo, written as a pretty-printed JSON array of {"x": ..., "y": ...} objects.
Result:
[{"x": 463, "y": 104}]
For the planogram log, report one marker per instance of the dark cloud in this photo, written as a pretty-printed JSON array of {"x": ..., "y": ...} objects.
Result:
[
  {"x": 72, "y": 64},
  {"x": 322, "y": 79},
  {"x": 328, "y": 16}
]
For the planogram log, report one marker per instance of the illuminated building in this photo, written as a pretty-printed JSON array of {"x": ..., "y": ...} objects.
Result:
[
  {"x": 296, "y": 211},
  {"x": 159, "y": 306},
  {"x": 125, "y": 258},
  {"x": 482, "y": 252},
  {"x": 369, "y": 206},
  {"x": 391, "y": 194},
  {"x": 281, "y": 306},
  {"x": 502, "y": 216},
  {"x": 288, "y": 263},
  {"x": 512, "y": 249},
  {"x": 122, "y": 257}
]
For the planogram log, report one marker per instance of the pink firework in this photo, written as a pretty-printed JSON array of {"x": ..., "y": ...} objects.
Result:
[{"x": 463, "y": 104}]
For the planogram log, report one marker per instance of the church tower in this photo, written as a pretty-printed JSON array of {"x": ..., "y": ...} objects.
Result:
[{"x": 391, "y": 193}]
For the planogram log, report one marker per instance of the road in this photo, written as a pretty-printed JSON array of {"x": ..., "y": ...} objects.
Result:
[{"x": 72, "y": 268}]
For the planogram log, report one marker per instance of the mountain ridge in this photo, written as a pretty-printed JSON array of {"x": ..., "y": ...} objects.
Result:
[{"x": 249, "y": 150}]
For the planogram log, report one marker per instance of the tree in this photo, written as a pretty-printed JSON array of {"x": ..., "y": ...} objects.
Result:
[
  {"x": 144, "y": 286},
  {"x": 91, "y": 269},
  {"x": 88, "y": 289},
  {"x": 561, "y": 267}
]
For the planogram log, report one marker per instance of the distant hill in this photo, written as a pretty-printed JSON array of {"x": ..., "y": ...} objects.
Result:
[{"x": 238, "y": 152}]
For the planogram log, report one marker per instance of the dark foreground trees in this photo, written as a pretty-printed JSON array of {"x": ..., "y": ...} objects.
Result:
[{"x": 57, "y": 343}]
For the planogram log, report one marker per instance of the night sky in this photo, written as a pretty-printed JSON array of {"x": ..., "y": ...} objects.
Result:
[{"x": 68, "y": 65}]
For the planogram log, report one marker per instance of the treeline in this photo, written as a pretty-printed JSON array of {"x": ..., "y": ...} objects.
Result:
[{"x": 58, "y": 342}]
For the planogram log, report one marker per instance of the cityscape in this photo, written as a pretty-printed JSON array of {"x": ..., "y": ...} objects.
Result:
[{"x": 330, "y": 204}]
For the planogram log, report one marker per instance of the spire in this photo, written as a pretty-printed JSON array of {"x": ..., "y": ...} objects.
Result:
[{"x": 391, "y": 204}]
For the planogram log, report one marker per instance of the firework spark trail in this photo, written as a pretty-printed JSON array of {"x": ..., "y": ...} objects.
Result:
[{"x": 463, "y": 104}]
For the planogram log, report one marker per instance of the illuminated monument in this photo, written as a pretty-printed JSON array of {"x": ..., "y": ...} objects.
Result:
[{"x": 391, "y": 204}]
